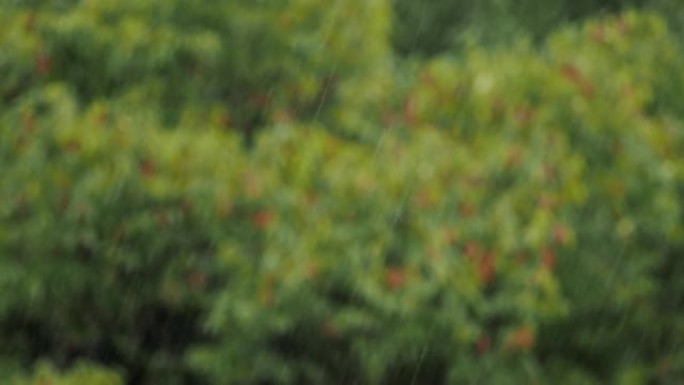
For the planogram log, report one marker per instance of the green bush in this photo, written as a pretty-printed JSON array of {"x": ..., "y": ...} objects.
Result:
[
  {"x": 593, "y": 117},
  {"x": 106, "y": 241},
  {"x": 510, "y": 216},
  {"x": 517, "y": 233}
]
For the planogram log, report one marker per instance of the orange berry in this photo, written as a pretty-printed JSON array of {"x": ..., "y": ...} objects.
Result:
[
  {"x": 548, "y": 258},
  {"x": 262, "y": 219},
  {"x": 521, "y": 339},
  {"x": 483, "y": 344},
  {"x": 394, "y": 278}
]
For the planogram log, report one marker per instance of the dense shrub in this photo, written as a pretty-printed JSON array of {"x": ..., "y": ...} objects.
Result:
[
  {"x": 514, "y": 235},
  {"x": 106, "y": 241},
  {"x": 516, "y": 220}
]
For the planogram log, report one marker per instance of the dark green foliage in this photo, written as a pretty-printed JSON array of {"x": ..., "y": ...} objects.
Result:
[{"x": 427, "y": 28}]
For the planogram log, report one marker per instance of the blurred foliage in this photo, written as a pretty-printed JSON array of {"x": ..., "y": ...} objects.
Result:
[
  {"x": 427, "y": 28},
  {"x": 79, "y": 375},
  {"x": 263, "y": 193},
  {"x": 249, "y": 62}
]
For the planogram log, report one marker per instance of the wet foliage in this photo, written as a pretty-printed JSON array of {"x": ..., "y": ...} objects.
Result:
[{"x": 275, "y": 193}]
